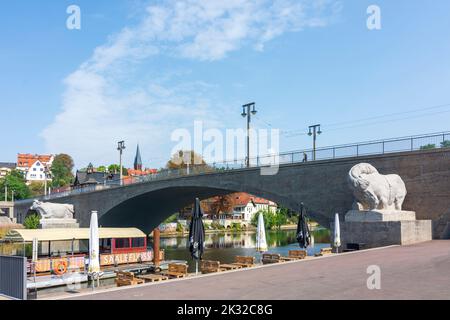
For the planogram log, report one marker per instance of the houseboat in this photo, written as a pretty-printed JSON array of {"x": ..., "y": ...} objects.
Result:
[{"x": 67, "y": 250}]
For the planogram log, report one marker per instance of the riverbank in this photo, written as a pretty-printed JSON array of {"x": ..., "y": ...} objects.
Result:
[{"x": 251, "y": 229}]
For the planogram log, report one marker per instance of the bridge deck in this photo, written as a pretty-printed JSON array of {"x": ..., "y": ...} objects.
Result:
[{"x": 411, "y": 272}]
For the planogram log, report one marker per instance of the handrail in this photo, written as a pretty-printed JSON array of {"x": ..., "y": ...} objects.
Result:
[{"x": 385, "y": 146}]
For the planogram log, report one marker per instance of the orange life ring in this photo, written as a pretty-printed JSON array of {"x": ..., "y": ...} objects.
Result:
[{"x": 61, "y": 267}]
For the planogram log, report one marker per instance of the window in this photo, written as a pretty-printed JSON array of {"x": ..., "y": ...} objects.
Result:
[
  {"x": 122, "y": 243},
  {"x": 137, "y": 242},
  {"x": 38, "y": 164},
  {"x": 105, "y": 245},
  {"x": 34, "y": 169}
]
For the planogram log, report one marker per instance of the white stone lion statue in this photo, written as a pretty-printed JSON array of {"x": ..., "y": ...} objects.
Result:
[
  {"x": 374, "y": 191},
  {"x": 49, "y": 210}
]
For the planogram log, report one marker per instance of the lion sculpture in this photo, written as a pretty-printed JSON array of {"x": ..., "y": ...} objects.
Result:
[
  {"x": 49, "y": 210},
  {"x": 374, "y": 191}
]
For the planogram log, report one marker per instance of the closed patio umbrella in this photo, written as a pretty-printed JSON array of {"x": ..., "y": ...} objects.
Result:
[
  {"x": 337, "y": 232},
  {"x": 261, "y": 243},
  {"x": 94, "y": 251},
  {"x": 303, "y": 235},
  {"x": 196, "y": 234}
]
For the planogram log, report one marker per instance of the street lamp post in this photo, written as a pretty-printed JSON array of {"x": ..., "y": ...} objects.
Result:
[
  {"x": 247, "y": 112},
  {"x": 45, "y": 180},
  {"x": 314, "y": 131},
  {"x": 120, "y": 147}
]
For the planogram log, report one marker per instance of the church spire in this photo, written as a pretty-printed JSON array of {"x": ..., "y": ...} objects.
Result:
[{"x": 137, "y": 160}]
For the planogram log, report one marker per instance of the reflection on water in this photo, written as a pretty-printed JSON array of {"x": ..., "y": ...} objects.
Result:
[{"x": 225, "y": 246}]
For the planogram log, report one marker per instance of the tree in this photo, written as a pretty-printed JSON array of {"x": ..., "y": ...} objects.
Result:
[
  {"x": 15, "y": 182},
  {"x": 428, "y": 147},
  {"x": 61, "y": 170},
  {"x": 445, "y": 144},
  {"x": 182, "y": 159},
  {"x": 101, "y": 169},
  {"x": 32, "y": 221},
  {"x": 271, "y": 219},
  {"x": 115, "y": 168},
  {"x": 37, "y": 188},
  {"x": 220, "y": 204}
]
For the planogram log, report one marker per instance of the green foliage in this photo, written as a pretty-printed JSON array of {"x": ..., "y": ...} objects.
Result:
[
  {"x": 32, "y": 221},
  {"x": 37, "y": 188},
  {"x": 217, "y": 226},
  {"x": 445, "y": 144},
  {"x": 115, "y": 168},
  {"x": 180, "y": 227},
  {"x": 14, "y": 181},
  {"x": 101, "y": 169},
  {"x": 61, "y": 170},
  {"x": 428, "y": 146},
  {"x": 171, "y": 219},
  {"x": 272, "y": 220},
  {"x": 236, "y": 226}
]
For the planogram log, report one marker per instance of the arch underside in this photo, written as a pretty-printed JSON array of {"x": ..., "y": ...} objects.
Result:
[{"x": 146, "y": 211}]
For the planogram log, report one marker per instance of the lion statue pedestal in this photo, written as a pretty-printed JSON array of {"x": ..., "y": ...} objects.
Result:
[
  {"x": 377, "y": 218},
  {"x": 55, "y": 215}
]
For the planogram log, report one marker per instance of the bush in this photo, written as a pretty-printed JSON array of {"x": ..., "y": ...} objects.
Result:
[
  {"x": 32, "y": 221},
  {"x": 236, "y": 226},
  {"x": 217, "y": 226},
  {"x": 428, "y": 146},
  {"x": 180, "y": 227}
]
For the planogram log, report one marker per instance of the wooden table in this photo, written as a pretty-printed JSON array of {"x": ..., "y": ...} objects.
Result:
[{"x": 152, "y": 277}]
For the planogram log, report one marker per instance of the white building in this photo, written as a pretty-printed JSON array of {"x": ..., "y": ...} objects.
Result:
[
  {"x": 247, "y": 205},
  {"x": 6, "y": 168},
  {"x": 38, "y": 173},
  {"x": 34, "y": 166}
]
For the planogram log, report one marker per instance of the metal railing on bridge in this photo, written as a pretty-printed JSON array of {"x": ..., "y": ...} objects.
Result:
[{"x": 377, "y": 147}]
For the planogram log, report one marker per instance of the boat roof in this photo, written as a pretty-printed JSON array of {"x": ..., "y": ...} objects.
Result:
[{"x": 61, "y": 234}]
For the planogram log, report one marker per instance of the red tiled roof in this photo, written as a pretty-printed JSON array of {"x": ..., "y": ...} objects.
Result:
[
  {"x": 242, "y": 199},
  {"x": 27, "y": 160},
  {"x": 132, "y": 172}
]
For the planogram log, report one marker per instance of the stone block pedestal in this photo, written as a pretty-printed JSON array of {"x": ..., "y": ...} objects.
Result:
[
  {"x": 382, "y": 228},
  {"x": 58, "y": 223},
  {"x": 385, "y": 233}
]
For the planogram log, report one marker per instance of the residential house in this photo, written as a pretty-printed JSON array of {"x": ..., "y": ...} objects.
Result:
[
  {"x": 6, "y": 168},
  {"x": 36, "y": 168},
  {"x": 247, "y": 205},
  {"x": 92, "y": 177}
]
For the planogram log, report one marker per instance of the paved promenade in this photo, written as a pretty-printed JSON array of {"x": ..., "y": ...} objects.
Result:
[{"x": 411, "y": 272}]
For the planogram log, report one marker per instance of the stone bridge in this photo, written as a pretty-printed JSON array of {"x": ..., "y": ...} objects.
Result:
[{"x": 321, "y": 185}]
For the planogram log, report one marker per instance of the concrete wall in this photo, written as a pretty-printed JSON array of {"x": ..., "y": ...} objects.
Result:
[{"x": 321, "y": 185}]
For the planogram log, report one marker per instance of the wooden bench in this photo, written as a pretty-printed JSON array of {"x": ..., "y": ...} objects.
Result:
[
  {"x": 176, "y": 270},
  {"x": 295, "y": 255},
  {"x": 227, "y": 266},
  {"x": 244, "y": 261},
  {"x": 271, "y": 258},
  {"x": 324, "y": 251},
  {"x": 207, "y": 266},
  {"x": 127, "y": 279},
  {"x": 152, "y": 277}
]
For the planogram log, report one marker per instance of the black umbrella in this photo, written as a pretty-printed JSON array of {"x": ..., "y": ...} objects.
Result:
[
  {"x": 303, "y": 235},
  {"x": 196, "y": 233}
]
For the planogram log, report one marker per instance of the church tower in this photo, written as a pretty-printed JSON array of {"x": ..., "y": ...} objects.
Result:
[{"x": 137, "y": 160}]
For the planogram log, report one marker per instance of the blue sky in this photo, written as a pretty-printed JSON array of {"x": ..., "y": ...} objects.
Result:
[{"x": 137, "y": 70}]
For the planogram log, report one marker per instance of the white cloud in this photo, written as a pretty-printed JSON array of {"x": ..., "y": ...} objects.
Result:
[{"x": 105, "y": 101}]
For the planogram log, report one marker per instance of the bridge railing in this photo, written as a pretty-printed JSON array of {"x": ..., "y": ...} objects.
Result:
[{"x": 412, "y": 143}]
